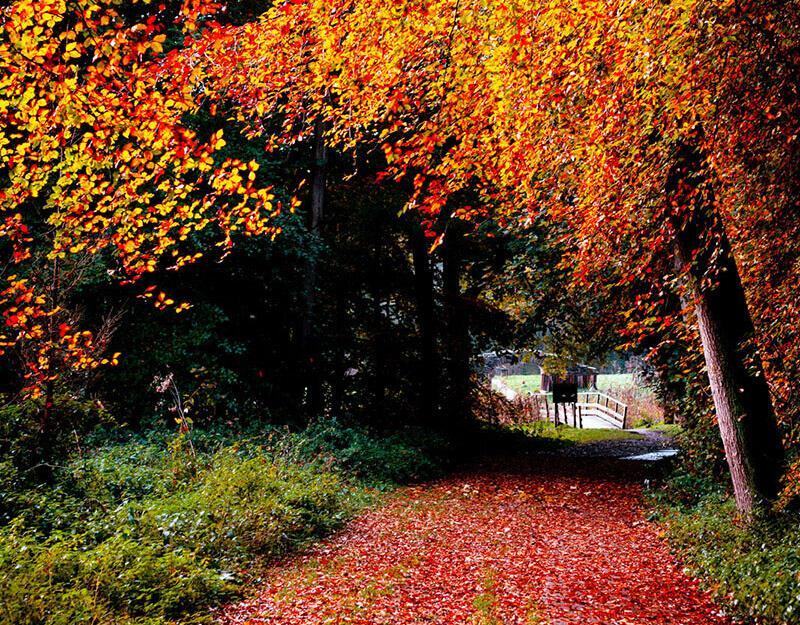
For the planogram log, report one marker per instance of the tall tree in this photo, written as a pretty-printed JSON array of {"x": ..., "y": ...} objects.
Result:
[
  {"x": 563, "y": 110},
  {"x": 741, "y": 396},
  {"x": 424, "y": 291},
  {"x": 570, "y": 113},
  {"x": 96, "y": 157},
  {"x": 308, "y": 340}
]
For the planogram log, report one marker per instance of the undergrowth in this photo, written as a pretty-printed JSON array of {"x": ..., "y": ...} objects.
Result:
[
  {"x": 570, "y": 435},
  {"x": 153, "y": 530},
  {"x": 754, "y": 570}
]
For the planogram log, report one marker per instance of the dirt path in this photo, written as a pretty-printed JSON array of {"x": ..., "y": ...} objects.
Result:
[{"x": 557, "y": 540}]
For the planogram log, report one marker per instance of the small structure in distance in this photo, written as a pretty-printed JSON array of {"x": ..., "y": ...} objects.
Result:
[{"x": 583, "y": 376}]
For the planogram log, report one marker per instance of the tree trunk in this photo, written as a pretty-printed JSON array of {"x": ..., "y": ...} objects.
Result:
[
  {"x": 378, "y": 379},
  {"x": 457, "y": 340},
  {"x": 339, "y": 362},
  {"x": 424, "y": 291},
  {"x": 309, "y": 340},
  {"x": 741, "y": 396},
  {"x": 379, "y": 408}
]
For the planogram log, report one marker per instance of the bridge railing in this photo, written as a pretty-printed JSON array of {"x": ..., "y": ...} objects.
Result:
[
  {"x": 590, "y": 403},
  {"x": 605, "y": 406}
]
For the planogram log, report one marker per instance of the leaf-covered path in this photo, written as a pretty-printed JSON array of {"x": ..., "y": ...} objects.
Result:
[{"x": 555, "y": 540}]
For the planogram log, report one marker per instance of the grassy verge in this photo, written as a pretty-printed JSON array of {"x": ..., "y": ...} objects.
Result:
[
  {"x": 153, "y": 531},
  {"x": 605, "y": 382},
  {"x": 670, "y": 429},
  {"x": 545, "y": 434},
  {"x": 754, "y": 571},
  {"x": 577, "y": 436}
]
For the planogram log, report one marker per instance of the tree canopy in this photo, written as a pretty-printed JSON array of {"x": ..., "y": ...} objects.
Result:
[{"x": 657, "y": 139}]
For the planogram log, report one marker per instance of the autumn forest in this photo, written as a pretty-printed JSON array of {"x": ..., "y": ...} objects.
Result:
[{"x": 392, "y": 312}]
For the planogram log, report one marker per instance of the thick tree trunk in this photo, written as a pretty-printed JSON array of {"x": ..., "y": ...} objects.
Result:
[
  {"x": 339, "y": 362},
  {"x": 424, "y": 291},
  {"x": 309, "y": 340},
  {"x": 741, "y": 396},
  {"x": 379, "y": 377},
  {"x": 457, "y": 339}
]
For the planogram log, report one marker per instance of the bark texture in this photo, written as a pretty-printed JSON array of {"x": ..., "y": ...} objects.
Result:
[{"x": 742, "y": 401}]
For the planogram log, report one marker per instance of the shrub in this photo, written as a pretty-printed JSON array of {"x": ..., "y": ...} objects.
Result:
[
  {"x": 401, "y": 457},
  {"x": 242, "y": 507},
  {"x": 119, "y": 539},
  {"x": 686, "y": 489},
  {"x": 755, "y": 569},
  {"x": 145, "y": 533},
  {"x": 65, "y": 580},
  {"x": 702, "y": 446}
]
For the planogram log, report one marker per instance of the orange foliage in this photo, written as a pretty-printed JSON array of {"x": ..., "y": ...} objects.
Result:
[
  {"x": 568, "y": 109},
  {"x": 92, "y": 141}
]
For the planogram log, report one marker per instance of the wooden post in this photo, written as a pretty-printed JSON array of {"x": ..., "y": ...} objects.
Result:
[{"x": 625, "y": 418}]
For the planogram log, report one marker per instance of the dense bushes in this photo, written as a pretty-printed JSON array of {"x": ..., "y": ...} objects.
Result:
[
  {"x": 397, "y": 457},
  {"x": 151, "y": 531},
  {"x": 30, "y": 443},
  {"x": 754, "y": 570},
  {"x": 69, "y": 579}
]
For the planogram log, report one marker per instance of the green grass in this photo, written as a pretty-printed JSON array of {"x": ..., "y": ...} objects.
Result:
[
  {"x": 533, "y": 383},
  {"x": 524, "y": 383},
  {"x": 570, "y": 435},
  {"x": 607, "y": 381},
  {"x": 670, "y": 429},
  {"x": 154, "y": 532},
  {"x": 754, "y": 571}
]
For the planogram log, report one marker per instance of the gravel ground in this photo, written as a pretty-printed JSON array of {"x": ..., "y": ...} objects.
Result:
[{"x": 651, "y": 441}]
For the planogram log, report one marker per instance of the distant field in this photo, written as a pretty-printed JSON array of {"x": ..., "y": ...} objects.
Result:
[
  {"x": 523, "y": 383},
  {"x": 605, "y": 381}
]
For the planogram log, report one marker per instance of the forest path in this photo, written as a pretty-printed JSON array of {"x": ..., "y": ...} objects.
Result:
[{"x": 555, "y": 539}]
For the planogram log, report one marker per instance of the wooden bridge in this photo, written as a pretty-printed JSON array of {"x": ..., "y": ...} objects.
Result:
[
  {"x": 594, "y": 409},
  {"x": 604, "y": 407}
]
